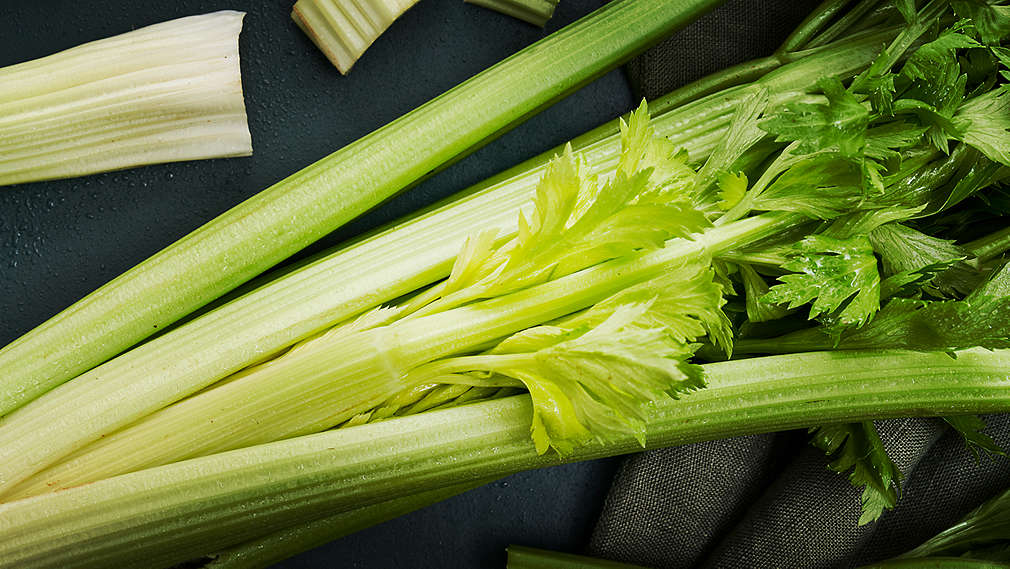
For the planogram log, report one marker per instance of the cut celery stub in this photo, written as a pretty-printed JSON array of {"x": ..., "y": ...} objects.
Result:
[
  {"x": 344, "y": 29},
  {"x": 536, "y": 12},
  {"x": 164, "y": 93}
]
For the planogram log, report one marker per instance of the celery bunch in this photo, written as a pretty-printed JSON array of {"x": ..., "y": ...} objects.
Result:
[{"x": 845, "y": 184}]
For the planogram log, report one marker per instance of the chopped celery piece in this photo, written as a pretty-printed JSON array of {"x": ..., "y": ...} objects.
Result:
[
  {"x": 536, "y": 12},
  {"x": 344, "y": 29},
  {"x": 260, "y": 232},
  {"x": 161, "y": 516},
  {"x": 163, "y": 93}
]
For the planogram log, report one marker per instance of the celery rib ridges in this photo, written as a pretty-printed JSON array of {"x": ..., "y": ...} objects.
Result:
[
  {"x": 344, "y": 29},
  {"x": 260, "y": 232},
  {"x": 164, "y": 93}
]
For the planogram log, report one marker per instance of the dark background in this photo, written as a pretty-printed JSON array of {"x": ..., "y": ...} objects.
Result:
[{"x": 60, "y": 240}]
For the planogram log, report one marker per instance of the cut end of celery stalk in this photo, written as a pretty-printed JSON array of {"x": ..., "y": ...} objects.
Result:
[
  {"x": 536, "y": 12},
  {"x": 165, "y": 93},
  {"x": 344, "y": 29}
]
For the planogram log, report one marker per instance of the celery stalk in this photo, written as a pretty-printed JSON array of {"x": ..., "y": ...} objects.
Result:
[
  {"x": 157, "y": 517},
  {"x": 267, "y": 228},
  {"x": 344, "y": 29},
  {"x": 164, "y": 93}
]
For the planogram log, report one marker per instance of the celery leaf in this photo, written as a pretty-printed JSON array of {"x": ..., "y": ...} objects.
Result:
[
  {"x": 857, "y": 447},
  {"x": 574, "y": 223},
  {"x": 970, "y": 427},
  {"x": 991, "y": 21},
  {"x": 828, "y": 272},
  {"x": 980, "y": 320},
  {"x": 903, "y": 249},
  {"x": 822, "y": 186},
  {"x": 985, "y": 124},
  {"x": 840, "y": 123},
  {"x": 592, "y": 381}
]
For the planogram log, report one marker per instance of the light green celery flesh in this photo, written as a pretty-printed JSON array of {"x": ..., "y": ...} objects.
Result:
[
  {"x": 161, "y": 516},
  {"x": 267, "y": 228},
  {"x": 313, "y": 389},
  {"x": 530, "y": 558},
  {"x": 536, "y": 12},
  {"x": 326, "y": 291},
  {"x": 263, "y": 552},
  {"x": 164, "y": 93},
  {"x": 344, "y": 29}
]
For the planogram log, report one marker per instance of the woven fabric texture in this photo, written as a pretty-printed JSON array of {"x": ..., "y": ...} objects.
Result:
[{"x": 769, "y": 501}]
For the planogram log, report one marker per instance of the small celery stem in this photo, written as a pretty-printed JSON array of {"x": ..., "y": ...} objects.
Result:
[
  {"x": 905, "y": 40},
  {"x": 858, "y": 18},
  {"x": 812, "y": 24},
  {"x": 800, "y": 341},
  {"x": 536, "y": 12},
  {"x": 990, "y": 246},
  {"x": 520, "y": 557},
  {"x": 463, "y": 364}
]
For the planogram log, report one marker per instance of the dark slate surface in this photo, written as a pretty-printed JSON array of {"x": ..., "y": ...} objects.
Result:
[{"x": 60, "y": 240}]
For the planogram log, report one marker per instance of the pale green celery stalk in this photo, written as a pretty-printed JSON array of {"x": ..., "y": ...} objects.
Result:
[
  {"x": 343, "y": 375},
  {"x": 306, "y": 301},
  {"x": 344, "y": 29},
  {"x": 520, "y": 557},
  {"x": 536, "y": 12},
  {"x": 260, "y": 232},
  {"x": 263, "y": 552},
  {"x": 157, "y": 517},
  {"x": 164, "y": 93}
]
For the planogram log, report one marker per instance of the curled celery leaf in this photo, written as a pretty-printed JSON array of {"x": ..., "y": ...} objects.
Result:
[
  {"x": 857, "y": 446},
  {"x": 593, "y": 374},
  {"x": 970, "y": 427},
  {"x": 732, "y": 187}
]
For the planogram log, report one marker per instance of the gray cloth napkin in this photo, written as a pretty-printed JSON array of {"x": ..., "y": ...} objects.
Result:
[{"x": 770, "y": 500}]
